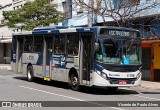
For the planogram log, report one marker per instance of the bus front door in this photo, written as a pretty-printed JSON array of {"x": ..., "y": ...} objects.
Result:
[{"x": 86, "y": 58}]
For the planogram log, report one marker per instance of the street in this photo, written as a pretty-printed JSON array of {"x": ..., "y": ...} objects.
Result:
[{"x": 15, "y": 87}]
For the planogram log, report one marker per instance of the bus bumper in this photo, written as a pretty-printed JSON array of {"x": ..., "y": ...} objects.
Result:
[{"x": 97, "y": 80}]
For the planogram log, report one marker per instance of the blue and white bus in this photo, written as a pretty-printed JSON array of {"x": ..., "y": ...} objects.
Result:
[{"x": 97, "y": 56}]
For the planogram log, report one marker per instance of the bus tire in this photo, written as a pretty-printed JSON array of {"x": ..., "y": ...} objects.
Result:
[
  {"x": 74, "y": 82},
  {"x": 112, "y": 88},
  {"x": 30, "y": 73}
]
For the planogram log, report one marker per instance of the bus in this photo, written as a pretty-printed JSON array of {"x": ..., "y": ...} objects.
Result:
[{"x": 100, "y": 56}]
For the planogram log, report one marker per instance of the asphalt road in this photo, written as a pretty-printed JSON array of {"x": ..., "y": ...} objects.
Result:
[{"x": 15, "y": 87}]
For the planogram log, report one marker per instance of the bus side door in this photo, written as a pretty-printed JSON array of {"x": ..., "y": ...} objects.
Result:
[
  {"x": 47, "y": 55},
  {"x": 86, "y": 57}
]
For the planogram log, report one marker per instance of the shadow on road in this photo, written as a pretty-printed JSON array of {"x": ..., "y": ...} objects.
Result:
[
  {"x": 86, "y": 90},
  {"x": 105, "y": 91},
  {"x": 47, "y": 83},
  {"x": 150, "y": 92}
]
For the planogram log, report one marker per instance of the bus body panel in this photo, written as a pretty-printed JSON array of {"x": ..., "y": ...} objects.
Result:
[
  {"x": 58, "y": 66},
  {"x": 35, "y": 60}
]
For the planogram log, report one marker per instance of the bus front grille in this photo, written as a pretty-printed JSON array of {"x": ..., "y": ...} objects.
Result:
[{"x": 117, "y": 80}]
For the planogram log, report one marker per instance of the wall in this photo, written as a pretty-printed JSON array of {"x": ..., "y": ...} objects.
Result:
[{"x": 7, "y": 52}]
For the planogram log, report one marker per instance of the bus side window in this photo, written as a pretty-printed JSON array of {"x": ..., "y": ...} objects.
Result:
[
  {"x": 28, "y": 44},
  {"x": 57, "y": 49},
  {"x": 59, "y": 44},
  {"x": 72, "y": 44},
  {"x": 38, "y": 43}
]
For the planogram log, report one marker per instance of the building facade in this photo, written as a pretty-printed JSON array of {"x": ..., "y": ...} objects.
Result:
[{"x": 6, "y": 33}]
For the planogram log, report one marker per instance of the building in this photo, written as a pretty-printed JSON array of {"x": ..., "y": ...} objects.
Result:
[{"x": 6, "y": 33}]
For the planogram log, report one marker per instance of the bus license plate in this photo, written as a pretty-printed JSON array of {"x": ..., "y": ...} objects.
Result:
[{"x": 121, "y": 82}]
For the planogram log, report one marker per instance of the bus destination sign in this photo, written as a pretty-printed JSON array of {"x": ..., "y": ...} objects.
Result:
[{"x": 120, "y": 33}]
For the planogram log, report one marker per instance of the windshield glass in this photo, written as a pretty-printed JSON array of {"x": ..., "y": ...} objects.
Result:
[{"x": 119, "y": 51}]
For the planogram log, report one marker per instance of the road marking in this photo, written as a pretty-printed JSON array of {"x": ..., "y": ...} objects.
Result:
[
  {"x": 146, "y": 97},
  {"x": 126, "y": 88},
  {"x": 51, "y": 93},
  {"x": 140, "y": 95},
  {"x": 5, "y": 67},
  {"x": 67, "y": 97}
]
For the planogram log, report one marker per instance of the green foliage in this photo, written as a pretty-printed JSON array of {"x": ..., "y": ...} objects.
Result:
[{"x": 33, "y": 14}]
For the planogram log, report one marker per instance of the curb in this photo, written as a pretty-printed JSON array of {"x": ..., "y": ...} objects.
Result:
[
  {"x": 150, "y": 85},
  {"x": 5, "y": 67}
]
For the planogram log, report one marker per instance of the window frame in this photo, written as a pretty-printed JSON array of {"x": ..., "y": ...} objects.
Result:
[{"x": 77, "y": 35}]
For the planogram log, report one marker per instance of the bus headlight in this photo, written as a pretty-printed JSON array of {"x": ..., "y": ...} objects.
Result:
[
  {"x": 138, "y": 75},
  {"x": 102, "y": 74},
  {"x": 98, "y": 72}
]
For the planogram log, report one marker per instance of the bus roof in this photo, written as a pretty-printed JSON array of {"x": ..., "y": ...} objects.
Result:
[
  {"x": 49, "y": 28},
  {"x": 23, "y": 33},
  {"x": 62, "y": 29},
  {"x": 116, "y": 27}
]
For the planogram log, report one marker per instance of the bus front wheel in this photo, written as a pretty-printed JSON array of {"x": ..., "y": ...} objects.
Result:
[
  {"x": 74, "y": 82},
  {"x": 30, "y": 73}
]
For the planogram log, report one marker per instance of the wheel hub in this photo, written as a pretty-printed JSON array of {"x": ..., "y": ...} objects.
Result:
[{"x": 74, "y": 81}]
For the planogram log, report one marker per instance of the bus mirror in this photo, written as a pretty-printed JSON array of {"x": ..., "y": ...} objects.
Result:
[{"x": 96, "y": 46}]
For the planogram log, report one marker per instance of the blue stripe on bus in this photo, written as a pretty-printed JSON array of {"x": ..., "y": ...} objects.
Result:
[
  {"x": 55, "y": 31},
  {"x": 40, "y": 32},
  {"x": 48, "y": 60},
  {"x": 49, "y": 28},
  {"x": 98, "y": 67},
  {"x": 40, "y": 59},
  {"x": 80, "y": 30}
]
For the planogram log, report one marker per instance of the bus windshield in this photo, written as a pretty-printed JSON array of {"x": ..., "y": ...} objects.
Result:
[{"x": 119, "y": 51}]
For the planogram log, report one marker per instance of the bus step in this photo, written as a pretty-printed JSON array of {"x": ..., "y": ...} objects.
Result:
[{"x": 47, "y": 78}]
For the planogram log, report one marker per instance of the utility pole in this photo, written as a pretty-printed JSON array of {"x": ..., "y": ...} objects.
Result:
[{"x": 90, "y": 13}]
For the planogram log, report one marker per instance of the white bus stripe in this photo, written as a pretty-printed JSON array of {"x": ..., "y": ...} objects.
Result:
[{"x": 67, "y": 30}]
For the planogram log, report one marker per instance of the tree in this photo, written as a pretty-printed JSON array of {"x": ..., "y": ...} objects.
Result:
[
  {"x": 33, "y": 14},
  {"x": 119, "y": 11}
]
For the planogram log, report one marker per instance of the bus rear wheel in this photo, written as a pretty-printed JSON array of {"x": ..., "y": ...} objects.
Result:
[
  {"x": 74, "y": 82},
  {"x": 30, "y": 73}
]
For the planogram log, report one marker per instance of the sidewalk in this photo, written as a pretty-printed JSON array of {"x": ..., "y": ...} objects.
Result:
[
  {"x": 150, "y": 85},
  {"x": 5, "y": 66}
]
